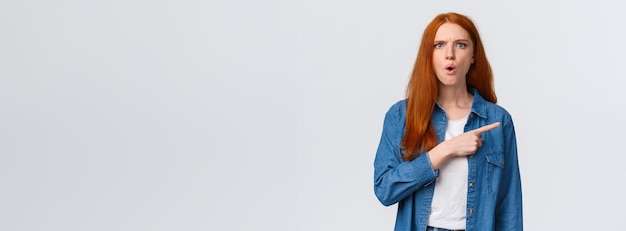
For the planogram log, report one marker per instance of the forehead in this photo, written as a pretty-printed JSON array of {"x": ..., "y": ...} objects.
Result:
[{"x": 451, "y": 31}]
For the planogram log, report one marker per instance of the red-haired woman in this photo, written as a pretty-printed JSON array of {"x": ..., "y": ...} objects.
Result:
[{"x": 448, "y": 153}]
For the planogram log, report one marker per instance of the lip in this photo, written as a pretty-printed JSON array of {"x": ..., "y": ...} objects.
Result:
[{"x": 450, "y": 69}]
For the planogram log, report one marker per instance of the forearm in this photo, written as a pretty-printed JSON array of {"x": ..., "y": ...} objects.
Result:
[
  {"x": 438, "y": 155},
  {"x": 394, "y": 183}
]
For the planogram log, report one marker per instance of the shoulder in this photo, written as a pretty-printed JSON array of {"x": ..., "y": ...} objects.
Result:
[
  {"x": 400, "y": 105},
  {"x": 396, "y": 114},
  {"x": 498, "y": 112},
  {"x": 492, "y": 111},
  {"x": 495, "y": 108},
  {"x": 398, "y": 109}
]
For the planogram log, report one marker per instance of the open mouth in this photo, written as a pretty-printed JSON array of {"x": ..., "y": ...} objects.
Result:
[{"x": 451, "y": 69}]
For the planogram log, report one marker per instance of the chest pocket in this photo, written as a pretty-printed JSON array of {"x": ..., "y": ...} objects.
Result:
[{"x": 495, "y": 166}]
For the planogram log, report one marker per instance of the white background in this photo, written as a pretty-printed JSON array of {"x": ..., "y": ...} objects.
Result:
[{"x": 266, "y": 115}]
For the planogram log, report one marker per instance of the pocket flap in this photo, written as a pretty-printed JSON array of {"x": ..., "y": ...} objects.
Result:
[{"x": 495, "y": 158}]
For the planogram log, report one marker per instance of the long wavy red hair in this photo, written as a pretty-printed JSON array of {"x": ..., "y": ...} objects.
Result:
[{"x": 422, "y": 89}]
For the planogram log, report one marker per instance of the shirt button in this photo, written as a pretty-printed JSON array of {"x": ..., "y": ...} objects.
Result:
[
  {"x": 471, "y": 211},
  {"x": 471, "y": 185},
  {"x": 503, "y": 162}
]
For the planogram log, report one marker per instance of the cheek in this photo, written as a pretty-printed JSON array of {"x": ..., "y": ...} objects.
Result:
[
  {"x": 438, "y": 56},
  {"x": 468, "y": 57},
  {"x": 435, "y": 56}
]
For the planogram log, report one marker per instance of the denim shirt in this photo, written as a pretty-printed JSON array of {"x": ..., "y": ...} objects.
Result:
[{"x": 494, "y": 193}]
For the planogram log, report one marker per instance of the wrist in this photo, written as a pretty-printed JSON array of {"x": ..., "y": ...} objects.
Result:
[{"x": 438, "y": 155}]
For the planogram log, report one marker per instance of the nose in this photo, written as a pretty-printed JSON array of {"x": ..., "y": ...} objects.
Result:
[{"x": 449, "y": 53}]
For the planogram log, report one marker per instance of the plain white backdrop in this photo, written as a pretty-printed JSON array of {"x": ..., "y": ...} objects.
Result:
[{"x": 266, "y": 115}]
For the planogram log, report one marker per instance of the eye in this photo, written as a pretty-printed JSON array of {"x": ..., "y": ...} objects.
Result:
[
  {"x": 461, "y": 45},
  {"x": 438, "y": 45}
]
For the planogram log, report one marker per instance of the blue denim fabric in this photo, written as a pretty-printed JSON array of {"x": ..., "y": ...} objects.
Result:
[
  {"x": 494, "y": 194},
  {"x": 437, "y": 229}
]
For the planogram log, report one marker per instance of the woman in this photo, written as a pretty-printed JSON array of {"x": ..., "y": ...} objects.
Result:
[{"x": 448, "y": 153}]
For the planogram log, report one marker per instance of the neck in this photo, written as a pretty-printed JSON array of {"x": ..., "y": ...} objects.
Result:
[{"x": 454, "y": 96}]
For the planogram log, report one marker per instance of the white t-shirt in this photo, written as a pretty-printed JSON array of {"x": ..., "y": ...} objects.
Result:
[{"x": 450, "y": 198}]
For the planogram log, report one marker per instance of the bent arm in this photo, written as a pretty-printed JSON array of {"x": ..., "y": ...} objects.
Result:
[{"x": 395, "y": 178}]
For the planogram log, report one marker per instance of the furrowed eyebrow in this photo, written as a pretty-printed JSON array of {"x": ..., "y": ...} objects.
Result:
[{"x": 456, "y": 41}]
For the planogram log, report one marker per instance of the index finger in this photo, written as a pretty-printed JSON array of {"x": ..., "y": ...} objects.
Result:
[{"x": 486, "y": 128}]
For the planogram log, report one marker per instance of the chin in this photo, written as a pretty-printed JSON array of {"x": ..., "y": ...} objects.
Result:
[
  {"x": 448, "y": 82},
  {"x": 451, "y": 83}
]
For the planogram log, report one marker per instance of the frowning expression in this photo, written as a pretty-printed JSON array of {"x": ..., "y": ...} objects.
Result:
[{"x": 453, "y": 54}]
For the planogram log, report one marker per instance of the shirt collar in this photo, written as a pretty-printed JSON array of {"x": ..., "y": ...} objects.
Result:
[{"x": 479, "y": 106}]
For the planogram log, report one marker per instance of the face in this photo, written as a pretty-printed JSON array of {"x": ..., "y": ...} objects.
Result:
[{"x": 453, "y": 54}]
